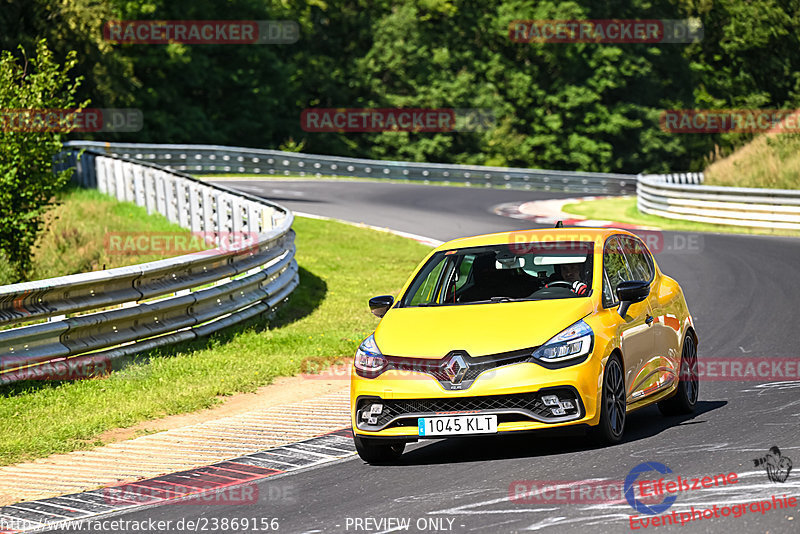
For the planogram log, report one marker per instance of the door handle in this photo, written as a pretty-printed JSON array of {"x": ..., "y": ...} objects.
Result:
[{"x": 648, "y": 320}]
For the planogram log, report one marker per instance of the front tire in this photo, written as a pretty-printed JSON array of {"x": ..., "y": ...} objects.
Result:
[
  {"x": 612, "y": 412},
  {"x": 685, "y": 398},
  {"x": 378, "y": 452}
]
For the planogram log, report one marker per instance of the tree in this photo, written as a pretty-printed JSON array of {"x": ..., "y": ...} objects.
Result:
[
  {"x": 69, "y": 25},
  {"x": 27, "y": 180},
  {"x": 583, "y": 106}
]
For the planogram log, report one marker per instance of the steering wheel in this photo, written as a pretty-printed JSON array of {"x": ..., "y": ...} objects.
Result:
[{"x": 560, "y": 283}]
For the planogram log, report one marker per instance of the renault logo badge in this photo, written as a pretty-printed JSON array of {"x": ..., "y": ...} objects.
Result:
[{"x": 456, "y": 369}]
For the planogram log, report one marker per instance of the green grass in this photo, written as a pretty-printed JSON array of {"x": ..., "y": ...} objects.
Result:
[
  {"x": 324, "y": 320},
  {"x": 624, "y": 210},
  {"x": 769, "y": 161},
  {"x": 73, "y": 239}
]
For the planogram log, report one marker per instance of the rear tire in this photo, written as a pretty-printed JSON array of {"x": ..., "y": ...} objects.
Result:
[
  {"x": 378, "y": 451},
  {"x": 611, "y": 427},
  {"x": 685, "y": 398}
]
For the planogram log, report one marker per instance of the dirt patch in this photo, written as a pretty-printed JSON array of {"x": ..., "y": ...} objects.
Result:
[{"x": 284, "y": 390}]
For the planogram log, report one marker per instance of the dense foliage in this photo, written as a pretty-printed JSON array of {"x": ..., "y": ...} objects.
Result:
[
  {"x": 586, "y": 106},
  {"x": 27, "y": 180}
]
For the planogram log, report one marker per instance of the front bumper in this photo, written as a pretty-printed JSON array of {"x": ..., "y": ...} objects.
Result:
[{"x": 513, "y": 392}]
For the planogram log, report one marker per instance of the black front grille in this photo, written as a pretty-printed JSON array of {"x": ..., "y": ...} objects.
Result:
[
  {"x": 476, "y": 365},
  {"x": 493, "y": 402},
  {"x": 399, "y": 412}
]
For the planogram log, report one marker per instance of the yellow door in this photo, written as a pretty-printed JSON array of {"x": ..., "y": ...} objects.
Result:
[{"x": 635, "y": 329}]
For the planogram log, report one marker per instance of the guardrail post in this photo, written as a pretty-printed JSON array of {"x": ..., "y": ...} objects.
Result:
[
  {"x": 183, "y": 205},
  {"x": 128, "y": 180},
  {"x": 170, "y": 197},
  {"x": 119, "y": 180},
  {"x": 150, "y": 190},
  {"x": 161, "y": 192},
  {"x": 222, "y": 215},
  {"x": 236, "y": 220},
  {"x": 252, "y": 224},
  {"x": 195, "y": 208},
  {"x": 208, "y": 210},
  {"x": 88, "y": 164},
  {"x": 101, "y": 174},
  {"x": 139, "y": 192}
]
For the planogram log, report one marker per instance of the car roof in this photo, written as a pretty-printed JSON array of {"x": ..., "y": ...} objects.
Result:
[{"x": 542, "y": 235}]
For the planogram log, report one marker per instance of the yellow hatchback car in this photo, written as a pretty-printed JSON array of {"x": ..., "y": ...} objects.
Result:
[{"x": 521, "y": 331}]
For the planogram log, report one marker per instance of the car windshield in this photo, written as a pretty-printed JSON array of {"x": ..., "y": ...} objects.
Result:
[{"x": 503, "y": 273}]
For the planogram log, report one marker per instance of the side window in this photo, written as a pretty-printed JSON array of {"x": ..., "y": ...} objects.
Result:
[
  {"x": 638, "y": 259},
  {"x": 615, "y": 270},
  {"x": 426, "y": 291},
  {"x": 463, "y": 270}
]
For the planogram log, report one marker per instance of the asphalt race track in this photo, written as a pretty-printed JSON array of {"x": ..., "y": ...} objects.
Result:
[{"x": 743, "y": 294}]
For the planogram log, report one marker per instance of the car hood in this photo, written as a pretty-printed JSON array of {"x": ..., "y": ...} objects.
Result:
[{"x": 479, "y": 329}]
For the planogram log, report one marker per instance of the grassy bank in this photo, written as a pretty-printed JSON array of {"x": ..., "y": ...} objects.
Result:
[
  {"x": 771, "y": 161},
  {"x": 623, "y": 209},
  {"x": 75, "y": 235},
  {"x": 325, "y": 319}
]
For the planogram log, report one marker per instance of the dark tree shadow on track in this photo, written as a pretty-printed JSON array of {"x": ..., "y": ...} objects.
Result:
[{"x": 642, "y": 424}]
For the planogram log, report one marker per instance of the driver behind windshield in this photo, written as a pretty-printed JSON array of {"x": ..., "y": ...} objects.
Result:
[{"x": 573, "y": 274}]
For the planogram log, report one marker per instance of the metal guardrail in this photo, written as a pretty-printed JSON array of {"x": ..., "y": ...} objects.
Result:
[
  {"x": 677, "y": 178},
  {"x": 199, "y": 159},
  {"x": 736, "y": 206},
  {"x": 95, "y": 318}
]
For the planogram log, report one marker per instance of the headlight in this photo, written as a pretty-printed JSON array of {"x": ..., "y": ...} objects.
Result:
[
  {"x": 572, "y": 342},
  {"x": 369, "y": 361}
]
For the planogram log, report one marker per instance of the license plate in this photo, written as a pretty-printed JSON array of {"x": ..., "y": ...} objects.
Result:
[{"x": 459, "y": 424}]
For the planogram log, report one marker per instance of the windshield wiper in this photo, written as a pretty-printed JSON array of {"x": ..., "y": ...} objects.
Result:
[
  {"x": 485, "y": 301},
  {"x": 499, "y": 299}
]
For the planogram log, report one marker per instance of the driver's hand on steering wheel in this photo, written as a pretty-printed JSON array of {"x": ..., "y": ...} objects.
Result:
[{"x": 579, "y": 288}]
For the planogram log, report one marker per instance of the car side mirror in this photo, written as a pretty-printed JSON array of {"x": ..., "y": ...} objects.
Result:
[
  {"x": 381, "y": 304},
  {"x": 629, "y": 292}
]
